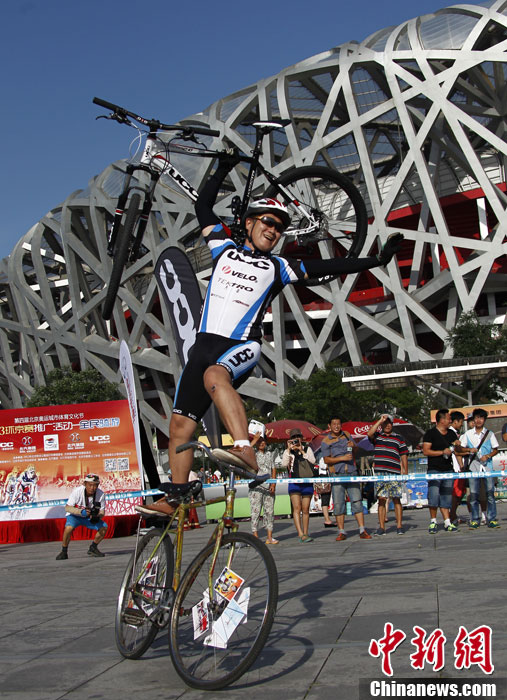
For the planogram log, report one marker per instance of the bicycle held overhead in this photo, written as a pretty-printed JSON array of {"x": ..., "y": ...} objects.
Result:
[{"x": 322, "y": 203}]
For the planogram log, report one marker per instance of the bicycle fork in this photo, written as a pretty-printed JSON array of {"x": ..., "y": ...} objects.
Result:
[{"x": 122, "y": 203}]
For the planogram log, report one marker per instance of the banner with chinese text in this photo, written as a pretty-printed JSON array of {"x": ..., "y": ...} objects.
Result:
[{"x": 45, "y": 452}]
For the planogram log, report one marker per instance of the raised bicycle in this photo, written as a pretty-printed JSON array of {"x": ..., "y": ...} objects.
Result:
[
  {"x": 322, "y": 202},
  {"x": 220, "y": 612}
]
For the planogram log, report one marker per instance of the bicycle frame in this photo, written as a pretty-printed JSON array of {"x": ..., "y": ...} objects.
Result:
[
  {"x": 146, "y": 166},
  {"x": 226, "y": 521},
  {"x": 164, "y": 166}
]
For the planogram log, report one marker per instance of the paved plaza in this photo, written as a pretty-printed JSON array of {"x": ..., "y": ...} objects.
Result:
[{"x": 57, "y": 617}]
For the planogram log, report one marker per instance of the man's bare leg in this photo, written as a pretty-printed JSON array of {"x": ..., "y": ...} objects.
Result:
[
  {"x": 227, "y": 400},
  {"x": 181, "y": 430},
  {"x": 230, "y": 406}
]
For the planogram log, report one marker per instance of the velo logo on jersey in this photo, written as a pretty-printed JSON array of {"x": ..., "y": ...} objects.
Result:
[{"x": 227, "y": 270}]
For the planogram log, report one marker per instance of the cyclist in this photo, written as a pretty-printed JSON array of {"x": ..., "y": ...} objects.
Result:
[
  {"x": 244, "y": 281},
  {"x": 26, "y": 486},
  {"x": 10, "y": 486}
]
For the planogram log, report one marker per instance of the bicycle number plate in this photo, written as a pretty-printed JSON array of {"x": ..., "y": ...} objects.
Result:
[{"x": 222, "y": 629}]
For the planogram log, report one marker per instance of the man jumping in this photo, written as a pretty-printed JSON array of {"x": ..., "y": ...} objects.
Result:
[{"x": 244, "y": 281}]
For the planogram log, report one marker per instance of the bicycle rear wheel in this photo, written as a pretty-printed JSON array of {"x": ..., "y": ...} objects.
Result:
[
  {"x": 121, "y": 253},
  {"x": 208, "y": 647},
  {"x": 134, "y": 629},
  {"x": 323, "y": 203}
]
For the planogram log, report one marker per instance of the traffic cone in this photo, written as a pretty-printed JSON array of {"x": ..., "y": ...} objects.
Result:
[{"x": 193, "y": 519}]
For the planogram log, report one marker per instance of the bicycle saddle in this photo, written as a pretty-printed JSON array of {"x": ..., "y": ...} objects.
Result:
[
  {"x": 267, "y": 126},
  {"x": 181, "y": 491}
]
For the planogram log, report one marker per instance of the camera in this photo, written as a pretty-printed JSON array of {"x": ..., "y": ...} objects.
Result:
[
  {"x": 94, "y": 512},
  {"x": 295, "y": 443}
]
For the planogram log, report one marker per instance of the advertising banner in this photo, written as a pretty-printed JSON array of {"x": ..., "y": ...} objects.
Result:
[
  {"x": 45, "y": 452},
  {"x": 180, "y": 291},
  {"x": 127, "y": 373}
]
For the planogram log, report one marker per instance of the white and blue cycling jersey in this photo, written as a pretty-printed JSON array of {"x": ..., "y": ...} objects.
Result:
[{"x": 242, "y": 286}]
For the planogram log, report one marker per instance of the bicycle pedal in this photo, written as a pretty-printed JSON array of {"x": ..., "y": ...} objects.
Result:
[{"x": 134, "y": 617}]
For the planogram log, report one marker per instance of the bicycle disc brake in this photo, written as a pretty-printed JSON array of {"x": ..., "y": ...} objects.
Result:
[{"x": 311, "y": 228}]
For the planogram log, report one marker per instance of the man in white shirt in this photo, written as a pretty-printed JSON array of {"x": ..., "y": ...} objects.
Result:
[
  {"x": 482, "y": 446},
  {"x": 86, "y": 506}
]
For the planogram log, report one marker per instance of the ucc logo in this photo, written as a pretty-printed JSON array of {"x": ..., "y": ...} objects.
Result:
[
  {"x": 241, "y": 356},
  {"x": 100, "y": 438},
  {"x": 261, "y": 264}
]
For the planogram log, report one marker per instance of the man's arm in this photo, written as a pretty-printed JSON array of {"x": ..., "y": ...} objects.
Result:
[
  {"x": 429, "y": 452},
  {"x": 338, "y": 266},
  {"x": 71, "y": 506},
  {"x": 371, "y": 432},
  {"x": 494, "y": 449},
  {"x": 205, "y": 202},
  {"x": 73, "y": 510},
  {"x": 404, "y": 464},
  {"x": 331, "y": 461}
]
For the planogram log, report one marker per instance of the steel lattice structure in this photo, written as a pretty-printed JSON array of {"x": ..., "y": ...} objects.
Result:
[{"x": 415, "y": 115}]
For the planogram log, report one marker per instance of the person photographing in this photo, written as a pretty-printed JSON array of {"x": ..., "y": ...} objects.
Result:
[
  {"x": 86, "y": 506},
  {"x": 299, "y": 461}
]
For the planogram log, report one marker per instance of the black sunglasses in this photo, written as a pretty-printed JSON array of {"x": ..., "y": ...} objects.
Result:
[{"x": 271, "y": 223}]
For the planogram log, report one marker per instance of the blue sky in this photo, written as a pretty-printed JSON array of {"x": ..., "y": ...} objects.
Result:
[{"x": 169, "y": 62}]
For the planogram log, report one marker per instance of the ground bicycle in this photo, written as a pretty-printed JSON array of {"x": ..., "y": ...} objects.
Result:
[
  {"x": 322, "y": 202},
  {"x": 220, "y": 612}
]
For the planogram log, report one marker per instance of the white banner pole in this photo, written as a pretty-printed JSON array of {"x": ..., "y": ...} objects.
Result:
[{"x": 127, "y": 372}]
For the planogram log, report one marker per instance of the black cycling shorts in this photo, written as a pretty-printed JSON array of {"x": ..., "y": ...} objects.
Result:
[{"x": 239, "y": 357}]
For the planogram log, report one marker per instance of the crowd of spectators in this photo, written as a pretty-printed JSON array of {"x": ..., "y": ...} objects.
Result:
[{"x": 446, "y": 446}]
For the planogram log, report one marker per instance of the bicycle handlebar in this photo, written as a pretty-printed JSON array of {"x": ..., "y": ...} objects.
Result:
[{"x": 154, "y": 124}]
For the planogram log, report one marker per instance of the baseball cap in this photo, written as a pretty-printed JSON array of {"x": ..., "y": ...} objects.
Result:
[
  {"x": 295, "y": 432},
  {"x": 94, "y": 478}
]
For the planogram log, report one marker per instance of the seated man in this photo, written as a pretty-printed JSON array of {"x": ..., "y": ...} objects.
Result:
[{"x": 245, "y": 280}]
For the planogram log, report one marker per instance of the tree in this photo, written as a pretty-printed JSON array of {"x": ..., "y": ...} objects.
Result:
[
  {"x": 64, "y": 386},
  {"x": 323, "y": 395},
  {"x": 472, "y": 338}
]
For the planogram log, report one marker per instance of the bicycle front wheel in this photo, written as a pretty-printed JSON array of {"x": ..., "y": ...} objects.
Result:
[
  {"x": 144, "y": 589},
  {"x": 214, "y": 638},
  {"x": 322, "y": 204},
  {"x": 121, "y": 253}
]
